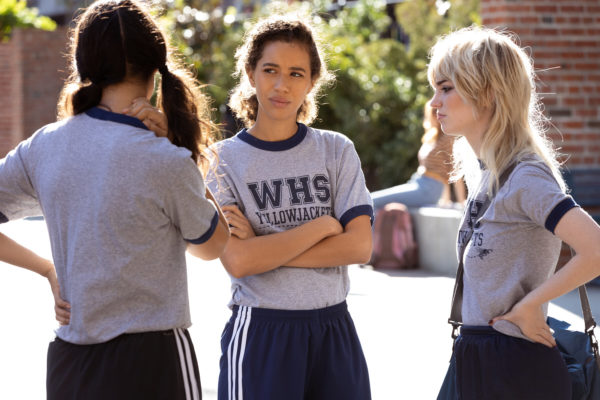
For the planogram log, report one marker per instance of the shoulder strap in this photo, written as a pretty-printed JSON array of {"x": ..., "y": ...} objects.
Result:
[
  {"x": 588, "y": 318},
  {"x": 457, "y": 296}
]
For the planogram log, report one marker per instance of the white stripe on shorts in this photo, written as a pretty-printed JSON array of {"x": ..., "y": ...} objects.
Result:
[
  {"x": 242, "y": 351},
  {"x": 234, "y": 365},
  {"x": 190, "y": 365},
  {"x": 187, "y": 366}
]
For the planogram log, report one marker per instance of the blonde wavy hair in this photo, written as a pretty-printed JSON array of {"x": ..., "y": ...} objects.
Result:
[
  {"x": 489, "y": 70},
  {"x": 287, "y": 28}
]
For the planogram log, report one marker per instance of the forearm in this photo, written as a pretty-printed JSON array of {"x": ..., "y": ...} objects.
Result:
[
  {"x": 579, "y": 231},
  {"x": 13, "y": 253},
  {"x": 353, "y": 246},
  {"x": 579, "y": 270},
  {"x": 264, "y": 253}
]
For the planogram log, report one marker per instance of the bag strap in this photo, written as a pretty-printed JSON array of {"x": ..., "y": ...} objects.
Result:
[
  {"x": 457, "y": 296},
  {"x": 588, "y": 318}
]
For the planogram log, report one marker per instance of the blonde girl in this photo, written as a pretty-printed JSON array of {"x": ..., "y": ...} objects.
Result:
[{"x": 485, "y": 92}]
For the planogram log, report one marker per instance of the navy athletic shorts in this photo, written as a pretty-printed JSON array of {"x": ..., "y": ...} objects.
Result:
[
  {"x": 491, "y": 365},
  {"x": 292, "y": 355},
  {"x": 149, "y": 366}
]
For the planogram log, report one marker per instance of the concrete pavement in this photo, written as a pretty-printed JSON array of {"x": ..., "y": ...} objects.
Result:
[{"x": 400, "y": 317}]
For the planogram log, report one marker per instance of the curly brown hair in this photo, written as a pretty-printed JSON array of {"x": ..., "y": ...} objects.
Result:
[{"x": 282, "y": 28}]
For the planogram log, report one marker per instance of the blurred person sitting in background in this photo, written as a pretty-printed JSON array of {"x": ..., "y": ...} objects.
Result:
[{"x": 429, "y": 185}]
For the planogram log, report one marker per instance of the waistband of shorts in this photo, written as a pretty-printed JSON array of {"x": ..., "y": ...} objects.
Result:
[
  {"x": 478, "y": 330},
  {"x": 318, "y": 314},
  {"x": 127, "y": 335}
]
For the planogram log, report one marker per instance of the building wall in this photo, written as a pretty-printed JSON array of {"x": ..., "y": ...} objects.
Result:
[
  {"x": 563, "y": 35},
  {"x": 564, "y": 39},
  {"x": 32, "y": 70}
]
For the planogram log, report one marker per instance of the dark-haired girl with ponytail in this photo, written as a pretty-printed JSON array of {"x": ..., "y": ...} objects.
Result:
[{"x": 122, "y": 205}]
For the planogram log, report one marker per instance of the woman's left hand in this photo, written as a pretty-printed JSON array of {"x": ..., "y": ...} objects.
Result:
[
  {"x": 152, "y": 117},
  {"x": 62, "y": 309},
  {"x": 238, "y": 223},
  {"x": 530, "y": 320}
]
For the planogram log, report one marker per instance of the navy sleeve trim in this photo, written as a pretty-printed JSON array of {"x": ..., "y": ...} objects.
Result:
[
  {"x": 557, "y": 213},
  {"x": 3, "y": 218},
  {"x": 355, "y": 212},
  {"x": 209, "y": 232}
]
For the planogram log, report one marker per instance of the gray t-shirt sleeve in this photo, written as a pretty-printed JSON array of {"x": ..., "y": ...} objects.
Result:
[
  {"x": 18, "y": 199},
  {"x": 351, "y": 197},
  {"x": 219, "y": 183},
  {"x": 186, "y": 204},
  {"x": 535, "y": 192}
]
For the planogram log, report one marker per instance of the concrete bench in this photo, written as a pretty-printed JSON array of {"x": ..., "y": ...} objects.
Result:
[{"x": 436, "y": 230}]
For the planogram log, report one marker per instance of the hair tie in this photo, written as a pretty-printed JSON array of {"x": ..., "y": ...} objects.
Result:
[{"x": 163, "y": 69}]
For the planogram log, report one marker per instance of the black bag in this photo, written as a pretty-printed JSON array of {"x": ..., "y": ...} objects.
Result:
[
  {"x": 449, "y": 391},
  {"x": 580, "y": 352}
]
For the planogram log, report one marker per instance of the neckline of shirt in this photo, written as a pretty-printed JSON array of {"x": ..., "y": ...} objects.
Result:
[
  {"x": 104, "y": 115},
  {"x": 279, "y": 145}
]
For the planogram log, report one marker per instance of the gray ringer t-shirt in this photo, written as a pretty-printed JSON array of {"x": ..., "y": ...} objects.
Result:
[
  {"x": 118, "y": 202},
  {"x": 281, "y": 185},
  {"x": 513, "y": 249}
]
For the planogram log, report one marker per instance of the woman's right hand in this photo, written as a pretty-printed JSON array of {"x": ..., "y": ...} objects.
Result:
[
  {"x": 529, "y": 318},
  {"x": 152, "y": 117}
]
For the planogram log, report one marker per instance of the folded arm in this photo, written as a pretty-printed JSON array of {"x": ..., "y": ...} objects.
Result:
[
  {"x": 247, "y": 254},
  {"x": 353, "y": 246}
]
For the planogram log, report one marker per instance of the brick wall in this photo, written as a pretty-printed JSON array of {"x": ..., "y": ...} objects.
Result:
[
  {"x": 32, "y": 70},
  {"x": 564, "y": 37}
]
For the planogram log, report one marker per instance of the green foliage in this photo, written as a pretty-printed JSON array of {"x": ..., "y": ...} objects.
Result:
[
  {"x": 208, "y": 37},
  {"x": 16, "y": 14},
  {"x": 374, "y": 100},
  {"x": 381, "y": 84}
]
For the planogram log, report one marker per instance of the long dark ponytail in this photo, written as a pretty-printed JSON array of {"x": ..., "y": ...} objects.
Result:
[{"x": 117, "y": 40}]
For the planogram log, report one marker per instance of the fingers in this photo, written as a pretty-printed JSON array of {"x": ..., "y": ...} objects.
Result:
[
  {"x": 536, "y": 331},
  {"x": 63, "y": 316},
  {"x": 239, "y": 225},
  {"x": 152, "y": 117},
  {"x": 235, "y": 220},
  {"x": 544, "y": 336},
  {"x": 233, "y": 209},
  {"x": 61, "y": 303},
  {"x": 62, "y": 309},
  {"x": 239, "y": 233},
  {"x": 158, "y": 130},
  {"x": 138, "y": 104}
]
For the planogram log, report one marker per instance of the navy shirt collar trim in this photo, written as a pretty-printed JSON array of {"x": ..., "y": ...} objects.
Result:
[
  {"x": 280, "y": 145},
  {"x": 98, "y": 113}
]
